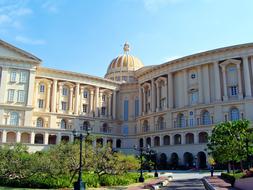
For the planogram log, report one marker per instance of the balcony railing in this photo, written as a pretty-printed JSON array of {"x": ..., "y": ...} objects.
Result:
[{"x": 107, "y": 130}]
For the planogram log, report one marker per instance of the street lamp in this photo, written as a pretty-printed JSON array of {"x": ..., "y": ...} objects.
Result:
[
  {"x": 141, "y": 149},
  {"x": 80, "y": 185},
  {"x": 152, "y": 152}
]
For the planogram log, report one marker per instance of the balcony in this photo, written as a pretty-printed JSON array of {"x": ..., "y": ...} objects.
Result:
[{"x": 160, "y": 126}]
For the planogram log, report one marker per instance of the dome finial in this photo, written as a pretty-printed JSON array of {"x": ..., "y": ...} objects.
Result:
[{"x": 126, "y": 47}]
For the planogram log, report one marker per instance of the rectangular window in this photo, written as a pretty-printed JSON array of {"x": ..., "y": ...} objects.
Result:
[
  {"x": 194, "y": 97},
  {"x": 40, "y": 103},
  {"x": 125, "y": 110},
  {"x": 233, "y": 90},
  {"x": 103, "y": 98},
  {"x": 64, "y": 91},
  {"x": 21, "y": 96},
  {"x": 11, "y": 95},
  {"x": 84, "y": 108},
  {"x": 103, "y": 111},
  {"x": 191, "y": 122},
  {"x": 42, "y": 88},
  {"x": 13, "y": 76},
  {"x": 23, "y": 77},
  {"x": 85, "y": 94},
  {"x": 64, "y": 106}
]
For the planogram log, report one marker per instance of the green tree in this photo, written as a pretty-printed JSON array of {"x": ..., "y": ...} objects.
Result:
[{"x": 227, "y": 144}]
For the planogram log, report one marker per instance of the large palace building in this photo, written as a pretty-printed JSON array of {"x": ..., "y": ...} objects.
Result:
[{"x": 171, "y": 107}]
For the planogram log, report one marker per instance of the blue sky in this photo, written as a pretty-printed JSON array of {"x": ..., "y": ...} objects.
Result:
[{"x": 85, "y": 35}]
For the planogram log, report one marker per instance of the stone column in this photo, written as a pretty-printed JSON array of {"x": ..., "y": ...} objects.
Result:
[
  {"x": 48, "y": 97},
  {"x": 54, "y": 93},
  {"x": 91, "y": 100},
  {"x": 104, "y": 141},
  {"x": 100, "y": 104},
  {"x": 4, "y": 136},
  {"x": 144, "y": 100},
  {"x": 183, "y": 138},
  {"x": 152, "y": 144},
  {"x": 97, "y": 101},
  {"x": 217, "y": 82},
  {"x": 161, "y": 140},
  {"x": 200, "y": 85},
  {"x": 71, "y": 138},
  {"x": 109, "y": 105},
  {"x": 157, "y": 96},
  {"x": 114, "y": 104},
  {"x": 170, "y": 90},
  {"x": 171, "y": 139},
  {"x": 36, "y": 94},
  {"x": 71, "y": 100},
  {"x": 46, "y": 136},
  {"x": 196, "y": 138},
  {"x": 58, "y": 139},
  {"x": 29, "y": 100},
  {"x": 3, "y": 84},
  {"x": 77, "y": 96},
  {"x": 60, "y": 95},
  {"x": 153, "y": 95},
  {"x": 246, "y": 77},
  {"x": 94, "y": 143},
  {"x": 32, "y": 137},
  {"x": 167, "y": 95},
  {"x": 18, "y": 137},
  {"x": 239, "y": 81},
  {"x": 140, "y": 100},
  {"x": 185, "y": 87},
  {"x": 81, "y": 99},
  {"x": 225, "y": 90},
  {"x": 114, "y": 143}
]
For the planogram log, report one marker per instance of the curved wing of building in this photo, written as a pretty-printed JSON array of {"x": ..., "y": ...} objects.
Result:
[{"x": 172, "y": 106}]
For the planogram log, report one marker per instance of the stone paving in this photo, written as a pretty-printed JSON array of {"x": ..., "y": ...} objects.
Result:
[
  {"x": 187, "y": 184},
  {"x": 219, "y": 183}
]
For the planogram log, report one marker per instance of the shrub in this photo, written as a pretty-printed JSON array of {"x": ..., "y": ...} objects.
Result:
[{"x": 230, "y": 178}]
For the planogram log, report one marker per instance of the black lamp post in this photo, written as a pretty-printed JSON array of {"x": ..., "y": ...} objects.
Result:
[
  {"x": 80, "y": 185},
  {"x": 141, "y": 149},
  {"x": 156, "y": 173},
  {"x": 152, "y": 152}
]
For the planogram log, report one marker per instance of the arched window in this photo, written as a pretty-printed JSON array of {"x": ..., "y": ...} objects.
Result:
[
  {"x": 177, "y": 139},
  {"x": 145, "y": 126},
  {"x": 157, "y": 141},
  {"x": 141, "y": 142},
  {"x": 63, "y": 124},
  {"x": 148, "y": 141},
  {"x": 206, "y": 118},
  {"x": 166, "y": 140},
  {"x": 189, "y": 138},
  {"x": 234, "y": 114},
  {"x": 118, "y": 143},
  {"x": 180, "y": 120},
  {"x": 203, "y": 137},
  {"x": 85, "y": 126},
  {"x": 14, "y": 118},
  {"x": 39, "y": 139},
  {"x": 39, "y": 122},
  {"x": 161, "y": 123},
  {"x": 105, "y": 128}
]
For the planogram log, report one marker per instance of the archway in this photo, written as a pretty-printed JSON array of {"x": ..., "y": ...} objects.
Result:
[
  {"x": 52, "y": 139},
  {"x": 163, "y": 162},
  {"x": 99, "y": 142},
  {"x": 174, "y": 160},
  {"x": 39, "y": 139},
  {"x": 109, "y": 142},
  {"x": 189, "y": 138},
  {"x": 188, "y": 159},
  {"x": 177, "y": 139},
  {"x": 201, "y": 160},
  {"x": 25, "y": 138},
  {"x": 65, "y": 138},
  {"x": 166, "y": 140},
  {"x": 118, "y": 143},
  {"x": 203, "y": 137},
  {"x": 157, "y": 141},
  {"x": 11, "y": 137},
  {"x": 141, "y": 142},
  {"x": 148, "y": 141}
]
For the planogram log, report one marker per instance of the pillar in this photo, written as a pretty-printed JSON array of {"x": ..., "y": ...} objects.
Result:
[
  {"x": 77, "y": 96},
  {"x": 58, "y": 139},
  {"x": 185, "y": 87},
  {"x": 166, "y": 98},
  {"x": 157, "y": 97},
  {"x": 91, "y": 100},
  {"x": 161, "y": 140},
  {"x": 30, "y": 99},
  {"x": 246, "y": 77},
  {"x": 71, "y": 138},
  {"x": 140, "y": 100},
  {"x": 94, "y": 143},
  {"x": 196, "y": 138},
  {"x": 109, "y": 105},
  {"x": 32, "y": 137},
  {"x": 60, "y": 94},
  {"x": 144, "y": 100},
  {"x": 217, "y": 81},
  {"x": 54, "y": 92},
  {"x": 170, "y": 90},
  {"x": 81, "y": 100},
  {"x": 200, "y": 85},
  {"x": 225, "y": 90},
  {"x": 18, "y": 137},
  {"x": 36, "y": 94},
  {"x": 46, "y": 136},
  {"x": 48, "y": 97},
  {"x": 183, "y": 138},
  {"x": 71, "y": 100},
  {"x": 239, "y": 81},
  {"x": 97, "y": 101},
  {"x": 4, "y": 136},
  {"x": 3, "y": 84},
  {"x": 114, "y": 105},
  {"x": 153, "y": 95},
  {"x": 114, "y": 143}
]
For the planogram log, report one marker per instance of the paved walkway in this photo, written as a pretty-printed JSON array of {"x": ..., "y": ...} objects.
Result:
[
  {"x": 187, "y": 184},
  {"x": 219, "y": 183}
]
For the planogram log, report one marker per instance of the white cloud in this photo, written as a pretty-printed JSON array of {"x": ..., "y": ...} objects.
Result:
[
  {"x": 52, "y": 5},
  {"x": 26, "y": 40},
  {"x": 4, "y": 19}
]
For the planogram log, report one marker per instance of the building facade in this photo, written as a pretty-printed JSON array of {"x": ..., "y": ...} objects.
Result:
[{"x": 172, "y": 106}]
